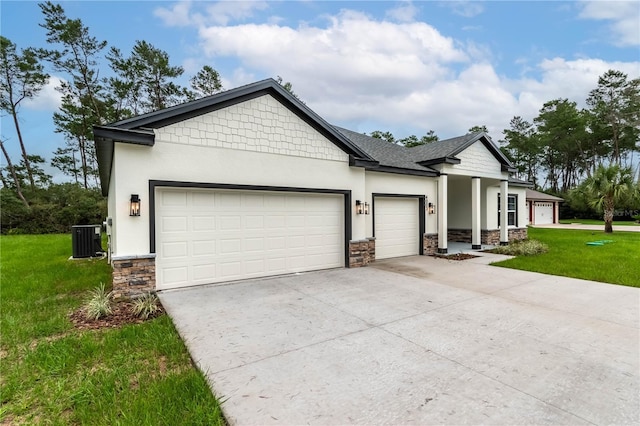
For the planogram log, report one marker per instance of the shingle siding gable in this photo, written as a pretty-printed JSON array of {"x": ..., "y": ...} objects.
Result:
[{"x": 262, "y": 125}]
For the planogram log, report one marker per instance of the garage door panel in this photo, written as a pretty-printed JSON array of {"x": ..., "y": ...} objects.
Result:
[
  {"x": 397, "y": 227},
  {"x": 203, "y": 201},
  {"x": 229, "y": 201},
  {"x": 173, "y": 199},
  {"x": 275, "y": 222},
  {"x": 296, "y": 242},
  {"x": 173, "y": 224},
  {"x": 254, "y": 267},
  {"x": 204, "y": 223},
  {"x": 204, "y": 248},
  {"x": 254, "y": 222},
  {"x": 268, "y": 234},
  {"x": 253, "y": 245},
  {"x": 176, "y": 249},
  {"x": 252, "y": 201},
  {"x": 231, "y": 246},
  {"x": 175, "y": 275},
  {"x": 204, "y": 272}
]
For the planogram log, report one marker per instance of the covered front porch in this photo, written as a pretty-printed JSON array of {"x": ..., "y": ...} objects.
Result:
[{"x": 470, "y": 215}]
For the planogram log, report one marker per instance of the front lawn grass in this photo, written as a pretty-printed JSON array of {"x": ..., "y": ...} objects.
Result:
[
  {"x": 598, "y": 222},
  {"x": 617, "y": 262},
  {"x": 52, "y": 373}
]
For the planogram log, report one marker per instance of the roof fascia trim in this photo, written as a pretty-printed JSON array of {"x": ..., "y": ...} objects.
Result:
[
  {"x": 520, "y": 184},
  {"x": 441, "y": 160},
  {"x": 104, "y": 155},
  {"x": 138, "y": 137},
  {"x": 401, "y": 171},
  {"x": 362, "y": 162}
]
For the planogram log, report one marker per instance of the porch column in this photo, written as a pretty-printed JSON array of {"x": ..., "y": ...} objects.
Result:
[
  {"x": 443, "y": 227},
  {"x": 475, "y": 214},
  {"x": 504, "y": 210}
]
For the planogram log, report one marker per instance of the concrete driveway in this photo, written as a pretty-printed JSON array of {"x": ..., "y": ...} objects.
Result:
[{"x": 416, "y": 340}]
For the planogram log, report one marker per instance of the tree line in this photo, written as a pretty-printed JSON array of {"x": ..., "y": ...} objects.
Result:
[{"x": 564, "y": 145}]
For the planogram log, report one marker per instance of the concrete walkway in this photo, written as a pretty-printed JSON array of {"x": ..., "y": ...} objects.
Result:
[
  {"x": 616, "y": 228},
  {"x": 417, "y": 340}
]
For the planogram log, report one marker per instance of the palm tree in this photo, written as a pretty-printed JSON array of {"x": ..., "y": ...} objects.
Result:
[{"x": 607, "y": 187}]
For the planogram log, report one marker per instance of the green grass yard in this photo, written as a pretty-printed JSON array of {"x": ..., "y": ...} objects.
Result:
[
  {"x": 617, "y": 262},
  {"x": 52, "y": 373}
]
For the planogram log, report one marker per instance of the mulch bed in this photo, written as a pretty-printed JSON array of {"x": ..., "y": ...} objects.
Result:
[
  {"x": 122, "y": 315},
  {"x": 457, "y": 256}
]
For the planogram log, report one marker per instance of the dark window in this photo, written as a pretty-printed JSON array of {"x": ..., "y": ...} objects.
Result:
[{"x": 512, "y": 210}]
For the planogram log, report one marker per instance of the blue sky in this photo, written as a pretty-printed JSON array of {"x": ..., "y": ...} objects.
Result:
[{"x": 401, "y": 66}]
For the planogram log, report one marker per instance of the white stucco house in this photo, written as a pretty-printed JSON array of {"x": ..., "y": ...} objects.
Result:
[{"x": 251, "y": 182}]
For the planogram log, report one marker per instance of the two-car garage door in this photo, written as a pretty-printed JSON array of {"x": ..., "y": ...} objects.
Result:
[{"x": 207, "y": 235}]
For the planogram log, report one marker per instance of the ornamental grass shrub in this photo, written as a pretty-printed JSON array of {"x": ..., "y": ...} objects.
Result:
[
  {"x": 99, "y": 303},
  {"x": 523, "y": 248},
  {"x": 146, "y": 306}
]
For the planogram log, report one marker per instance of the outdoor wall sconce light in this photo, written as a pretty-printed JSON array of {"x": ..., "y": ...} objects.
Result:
[
  {"x": 362, "y": 208},
  {"x": 134, "y": 205},
  {"x": 432, "y": 208}
]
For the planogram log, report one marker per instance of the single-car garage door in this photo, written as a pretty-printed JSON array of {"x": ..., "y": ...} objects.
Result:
[
  {"x": 206, "y": 236},
  {"x": 543, "y": 213},
  {"x": 396, "y": 227}
]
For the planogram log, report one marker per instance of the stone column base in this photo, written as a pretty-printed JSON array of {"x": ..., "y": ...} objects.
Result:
[
  {"x": 492, "y": 237},
  {"x": 430, "y": 244},
  {"x": 518, "y": 234},
  {"x": 133, "y": 275},
  {"x": 362, "y": 252}
]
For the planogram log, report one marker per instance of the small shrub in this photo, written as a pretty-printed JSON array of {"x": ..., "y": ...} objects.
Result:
[
  {"x": 146, "y": 306},
  {"x": 637, "y": 218},
  {"x": 523, "y": 248},
  {"x": 98, "y": 304}
]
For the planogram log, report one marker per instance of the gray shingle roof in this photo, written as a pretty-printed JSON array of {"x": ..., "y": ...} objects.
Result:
[
  {"x": 392, "y": 155},
  {"x": 386, "y": 153},
  {"x": 444, "y": 148}
]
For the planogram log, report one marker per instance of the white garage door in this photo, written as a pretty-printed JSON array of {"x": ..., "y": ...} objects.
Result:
[
  {"x": 209, "y": 236},
  {"x": 543, "y": 213},
  {"x": 397, "y": 229}
]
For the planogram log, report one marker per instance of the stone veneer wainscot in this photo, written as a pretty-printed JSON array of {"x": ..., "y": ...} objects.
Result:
[
  {"x": 133, "y": 275},
  {"x": 362, "y": 252}
]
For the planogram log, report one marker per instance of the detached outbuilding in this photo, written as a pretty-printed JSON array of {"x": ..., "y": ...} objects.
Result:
[
  {"x": 543, "y": 208},
  {"x": 251, "y": 183}
]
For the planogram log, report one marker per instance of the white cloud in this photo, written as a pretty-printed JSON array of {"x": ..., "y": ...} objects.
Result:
[
  {"x": 468, "y": 9},
  {"x": 218, "y": 13},
  {"x": 404, "y": 13},
  {"x": 623, "y": 15},
  {"x": 176, "y": 16},
  {"x": 223, "y": 12},
  {"x": 49, "y": 99},
  {"x": 408, "y": 78}
]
